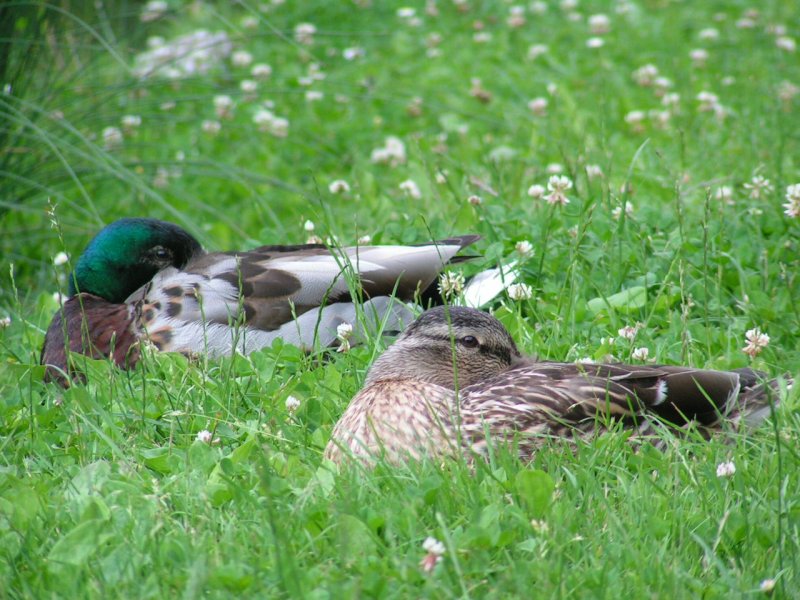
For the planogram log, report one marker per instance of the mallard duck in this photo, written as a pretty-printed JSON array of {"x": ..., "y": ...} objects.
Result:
[
  {"x": 144, "y": 279},
  {"x": 455, "y": 379}
]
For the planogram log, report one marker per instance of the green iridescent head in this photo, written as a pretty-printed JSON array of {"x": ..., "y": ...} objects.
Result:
[{"x": 127, "y": 254}]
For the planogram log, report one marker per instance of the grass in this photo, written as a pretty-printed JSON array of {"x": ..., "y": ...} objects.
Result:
[{"x": 105, "y": 490}]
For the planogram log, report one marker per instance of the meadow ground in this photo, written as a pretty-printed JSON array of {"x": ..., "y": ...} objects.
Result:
[{"x": 672, "y": 129}]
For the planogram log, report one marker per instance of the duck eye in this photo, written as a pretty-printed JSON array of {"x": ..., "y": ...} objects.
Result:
[
  {"x": 161, "y": 253},
  {"x": 469, "y": 341},
  {"x": 158, "y": 256}
]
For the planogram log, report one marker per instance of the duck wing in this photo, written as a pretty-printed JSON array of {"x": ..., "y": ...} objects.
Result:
[
  {"x": 558, "y": 396},
  {"x": 270, "y": 289}
]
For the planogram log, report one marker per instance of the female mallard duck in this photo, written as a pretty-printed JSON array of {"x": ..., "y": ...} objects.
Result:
[
  {"x": 143, "y": 279},
  {"x": 410, "y": 406}
]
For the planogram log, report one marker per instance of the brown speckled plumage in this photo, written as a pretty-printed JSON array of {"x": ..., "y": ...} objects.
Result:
[{"x": 409, "y": 407}]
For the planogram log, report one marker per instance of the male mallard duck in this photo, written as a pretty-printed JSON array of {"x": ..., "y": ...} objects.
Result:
[
  {"x": 409, "y": 406},
  {"x": 143, "y": 279}
]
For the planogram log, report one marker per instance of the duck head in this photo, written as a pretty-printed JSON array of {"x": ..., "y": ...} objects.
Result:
[
  {"x": 473, "y": 342},
  {"x": 127, "y": 254}
]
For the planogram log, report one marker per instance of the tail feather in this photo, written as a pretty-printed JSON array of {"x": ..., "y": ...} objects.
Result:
[
  {"x": 487, "y": 285},
  {"x": 757, "y": 400}
]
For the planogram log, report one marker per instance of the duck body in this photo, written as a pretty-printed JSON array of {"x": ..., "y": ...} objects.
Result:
[
  {"x": 410, "y": 406},
  {"x": 142, "y": 279}
]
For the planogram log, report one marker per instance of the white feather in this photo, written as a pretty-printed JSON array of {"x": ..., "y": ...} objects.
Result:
[{"x": 487, "y": 285}]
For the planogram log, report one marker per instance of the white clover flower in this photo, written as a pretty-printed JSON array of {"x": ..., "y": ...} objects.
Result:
[
  {"x": 595, "y": 42},
  {"x": 558, "y": 186},
  {"x": 671, "y": 100},
  {"x": 314, "y": 96},
  {"x": 279, "y": 127},
  {"x": 292, "y": 404},
  {"x": 645, "y": 75},
  {"x": 635, "y": 118},
  {"x": 248, "y": 86},
  {"x": 776, "y": 29},
  {"x": 353, "y": 53},
  {"x": 411, "y": 189},
  {"x": 640, "y": 354},
  {"x": 309, "y": 226},
  {"x": 758, "y": 187},
  {"x": 392, "y": 153},
  {"x": 204, "y": 436},
  {"x": 241, "y": 58},
  {"x": 406, "y": 12},
  {"x": 5, "y": 322},
  {"x": 539, "y": 7},
  {"x": 338, "y": 186},
  {"x": 699, "y": 56},
  {"x": 756, "y": 342},
  {"x": 223, "y": 106},
  {"x": 594, "y": 172},
  {"x": 616, "y": 212},
  {"x": 536, "y": 50},
  {"x": 554, "y": 169},
  {"x": 709, "y": 102},
  {"x": 599, "y": 24},
  {"x": 482, "y": 37},
  {"x": 786, "y": 43},
  {"x": 112, "y": 137},
  {"x": 726, "y": 469},
  {"x": 708, "y": 34},
  {"x": 629, "y": 331},
  {"x": 211, "y": 127},
  {"x": 344, "y": 331},
  {"x": 263, "y": 119},
  {"x": 536, "y": 191},
  {"x": 433, "y": 546},
  {"x": 261, "y": 71},
  {"x": 792, "y": 206},
  {"x": 745, "y": 23},
  {"x": 474, "y": 200},
  {"x": 724, "y": 193},
  {"x": 304, "y": 33},
  {"x": 662, "y": 84},
  {"x": 519, "y": 291},
  {"x": 249, "y": 22},
  {"x": 131, "y": 121},
  {"x": 364, "y": 239},
  {"x": 434, "y": 549},
  {"x": 787, "y": 91},
  {"x": 538, "y": 106},
  {"x": 516, "y": 16},
  {"x": 60, "y": 259},
  {"x": 191, "y": 54},
  {"x": 153, "y": 10},
  {"x": 523, "y": 248},
  {"x": 451, "y": 283}
]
